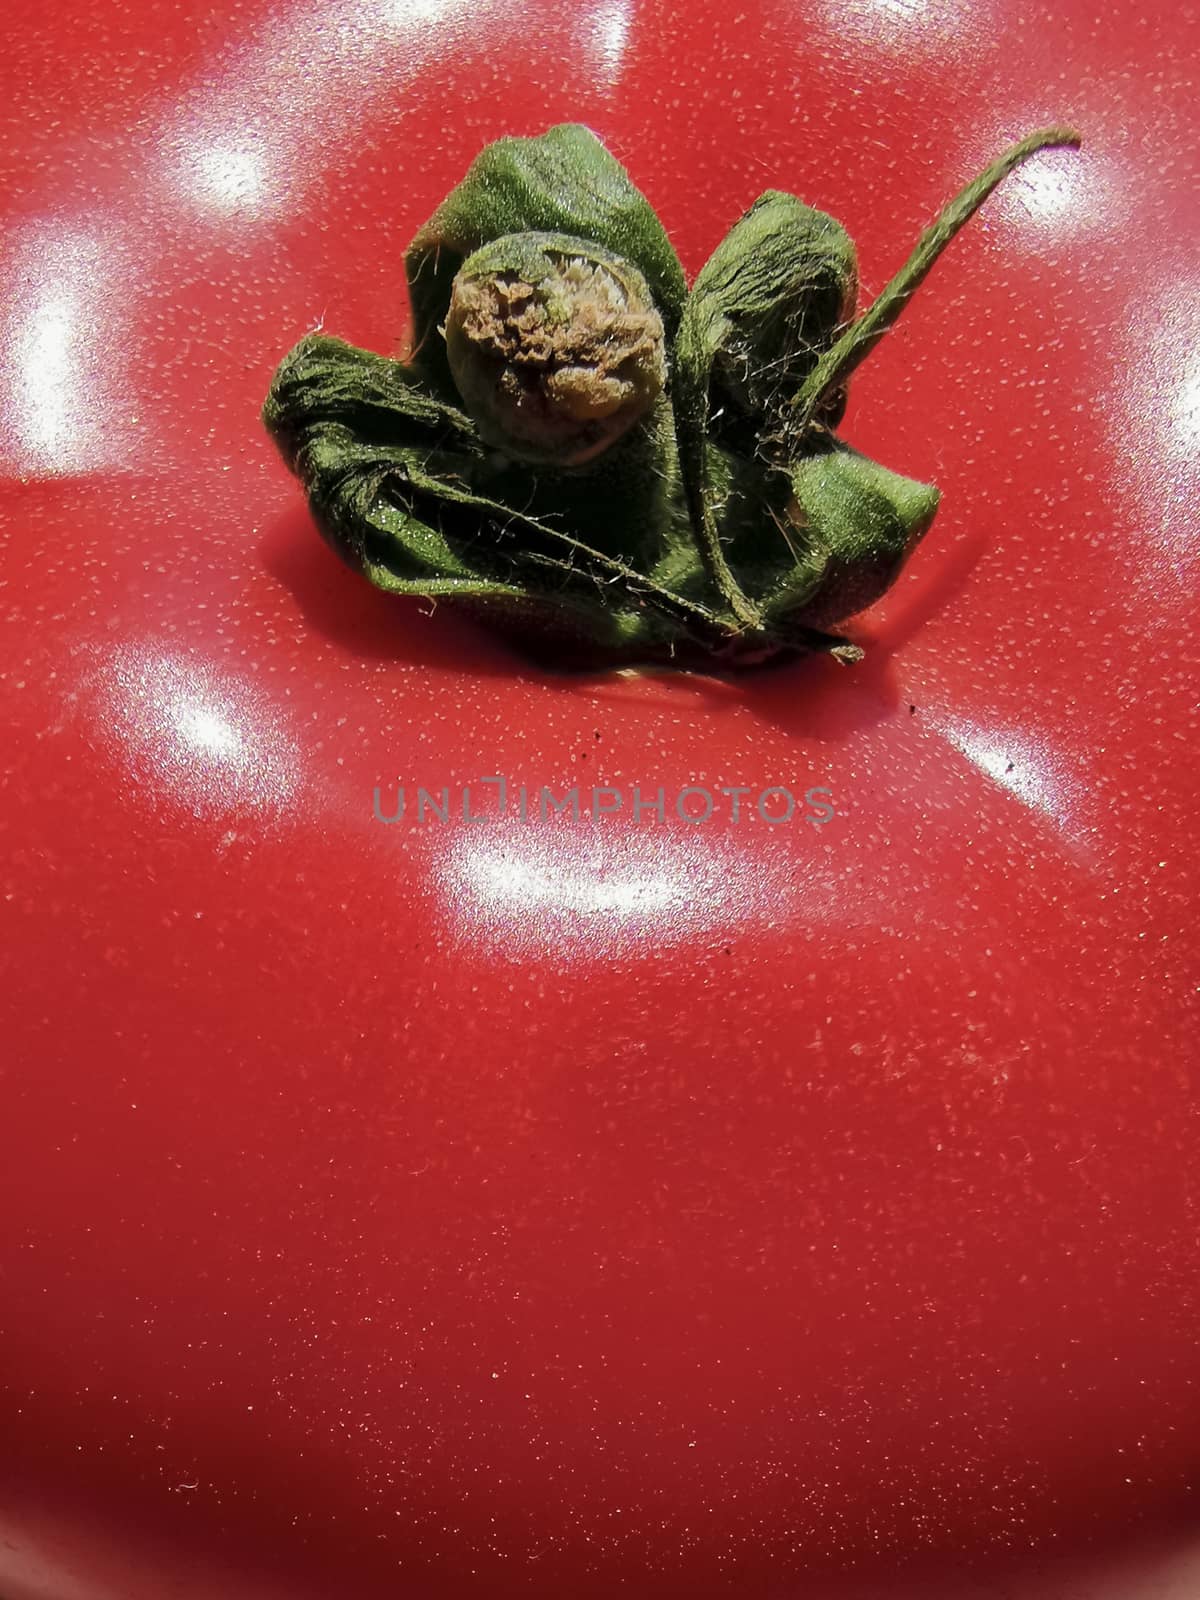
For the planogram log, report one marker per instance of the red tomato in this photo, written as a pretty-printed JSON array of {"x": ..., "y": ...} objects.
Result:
[{"x": 629, "y": 1207}]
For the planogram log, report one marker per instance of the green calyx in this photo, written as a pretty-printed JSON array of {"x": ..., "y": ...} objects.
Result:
[{"x": 602, "y": 465}]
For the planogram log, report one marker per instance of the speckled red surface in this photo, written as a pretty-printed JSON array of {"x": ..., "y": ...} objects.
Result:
[{"x": 654, "y": 1210}]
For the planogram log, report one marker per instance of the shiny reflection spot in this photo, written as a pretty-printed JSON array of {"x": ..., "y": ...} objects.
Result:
[
  {"x": 903, "y": 26},
  {"x": 902, "y": 10},
  {"x": 1019, "y": 764},
  {"x": 45, "y": 361},
  {"x": 409, "y": 13},
  {"x": 1154, "y": 427},
  {"x": 568, "y": 891},
  {"x": 257, "y": 128},
  {"x": 229, "y": 178},
  {"x": 60, "y": 389},
  {"x": 199, "y": 737},
  {"x": 207, "y": 731},
  {"x": 505, "y": 881},
  {"x": 1046, "y": 193},
  {"x": 610, "y": 38},
  {"x": 1186, "y": 409}
]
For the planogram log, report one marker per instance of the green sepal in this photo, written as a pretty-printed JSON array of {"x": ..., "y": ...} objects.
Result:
[
  {"x": 852, "y": 524},
  {"x": 324, "y": 383},
  {"x": 373, "y": 449},
  {"x": 562, "y": 182},
  {"x": 764, "y": 308},
  {"x": 356, "y": 428},
  {"x": 767, "y": 303}
]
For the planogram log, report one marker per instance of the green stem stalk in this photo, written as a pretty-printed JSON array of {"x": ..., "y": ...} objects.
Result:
[
  {"x": 735, "y": 597},
  {"x": 862, "y": 336}
]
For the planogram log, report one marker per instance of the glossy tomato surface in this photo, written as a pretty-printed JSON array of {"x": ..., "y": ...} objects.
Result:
[{"x": 629, "y": 1206}]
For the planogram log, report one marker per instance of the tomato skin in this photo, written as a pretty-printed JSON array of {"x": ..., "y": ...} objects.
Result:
[{"x": 520, "y": 1208}]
